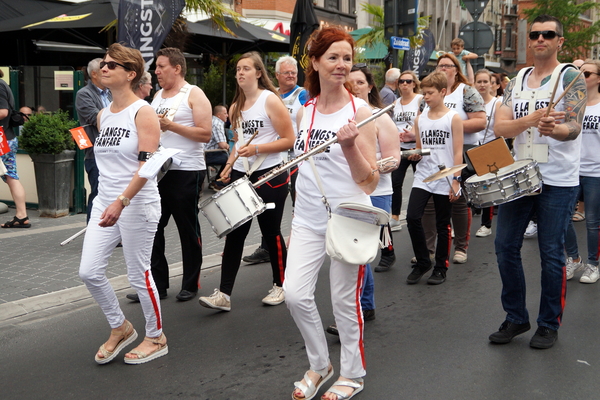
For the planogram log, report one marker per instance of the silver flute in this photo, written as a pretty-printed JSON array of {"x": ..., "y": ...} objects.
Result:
[{"x": 315, "y": 150}]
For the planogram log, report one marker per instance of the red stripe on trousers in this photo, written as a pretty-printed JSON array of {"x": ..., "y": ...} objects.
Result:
[
  {"x": 280, "y": 259},
  {"x": 361, "y": 323},
  {"x": 153, "y": 299},
  {"x": 563, "y": 295},
  {"x": 449, "y": 246}
]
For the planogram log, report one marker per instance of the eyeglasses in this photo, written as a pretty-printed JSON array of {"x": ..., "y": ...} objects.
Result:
[
  {"x": 587, "y": 74},
  {"x": 288, "y": 73},
  {"x": 113, "y": 65},
  {"x": 446, "y": 66},
  {"x": 358, "y": 66},
  {"x": 407, "y": 81},
  {"x": 548, "y": 35}
]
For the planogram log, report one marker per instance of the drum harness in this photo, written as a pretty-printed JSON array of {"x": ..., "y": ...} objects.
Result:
[{"x": 527, "y": 150}]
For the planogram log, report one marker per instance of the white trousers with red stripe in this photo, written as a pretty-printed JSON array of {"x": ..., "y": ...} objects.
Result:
[
  {"x": 306, "y": 254},
  {"x": 135, "y": 229}
]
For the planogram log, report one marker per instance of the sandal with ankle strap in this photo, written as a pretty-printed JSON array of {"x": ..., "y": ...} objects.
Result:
[
  {"x": 17, "y": 223},
  {"x": 142, "y": 357},
  {"x": 357, "y": 384},
  {"x": 127, "y": 337},
  {"x": 311, "y": 390}
]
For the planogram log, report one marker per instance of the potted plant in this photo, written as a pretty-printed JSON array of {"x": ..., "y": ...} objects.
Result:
[{"x": 47, "y": 139}]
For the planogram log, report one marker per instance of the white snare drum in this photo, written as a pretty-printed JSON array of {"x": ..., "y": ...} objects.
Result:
[
  {"x": 510, "y": 183},
  {"x": 232, "y": 206}
]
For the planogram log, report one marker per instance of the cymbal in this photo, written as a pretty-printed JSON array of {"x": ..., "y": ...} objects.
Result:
[{"x": 444, "y": 172}]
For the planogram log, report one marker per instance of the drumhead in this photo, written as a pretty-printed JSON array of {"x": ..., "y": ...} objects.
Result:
[{"x": 517, "y": 165}]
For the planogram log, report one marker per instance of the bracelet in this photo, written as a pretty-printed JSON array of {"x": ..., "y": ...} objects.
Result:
[
  {"x": 256, "y": 149},
  {"x": 369, "y": 178},
  {"x": 144, "y": 155}
]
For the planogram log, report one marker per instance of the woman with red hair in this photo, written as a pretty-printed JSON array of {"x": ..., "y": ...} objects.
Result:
[{"x": 348, "y": 172}]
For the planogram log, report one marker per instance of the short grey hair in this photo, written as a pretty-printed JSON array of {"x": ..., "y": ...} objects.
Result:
[
  {"x": 146, "y": 78},
  {"x": 93, "y": 65},
  {"x": 392, "y": 75},
  {"x": 286, "y": 60}
]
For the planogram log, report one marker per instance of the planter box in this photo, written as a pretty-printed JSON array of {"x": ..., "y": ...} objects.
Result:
[{"x": 53, "y": 182}]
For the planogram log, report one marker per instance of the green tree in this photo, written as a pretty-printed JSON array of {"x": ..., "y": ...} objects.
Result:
[
  {"x": 579, "y": 39},
  {"x": 377, "y": 34}
]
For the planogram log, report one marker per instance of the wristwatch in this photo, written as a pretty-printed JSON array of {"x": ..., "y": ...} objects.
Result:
[
  {"x": 457, "y": 178},
  {"x": 124, "y": 200}
]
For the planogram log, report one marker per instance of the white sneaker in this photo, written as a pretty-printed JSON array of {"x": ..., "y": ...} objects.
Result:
[
  {"x": 395, "y": 225},
  {"x": 573, "y": 267},
  {"x": 590, "y": 275},
  {"x": 459, "y": 257},
  {"x": 484, "y": 231},
  {"x": 531, "y": 230},
  {"x": 275, "y": 297},
  {"x": 218, "y": 300}
]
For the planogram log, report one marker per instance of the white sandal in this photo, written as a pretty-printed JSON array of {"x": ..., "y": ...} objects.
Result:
[
  {"x": 311, "y": 390},
  {"x": 357, "y": 384},
  {"x": 128, "y": 336},
  {"x": 142, "y": 357}
]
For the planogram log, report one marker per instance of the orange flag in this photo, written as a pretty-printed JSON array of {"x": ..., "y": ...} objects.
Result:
[
  {"x": 80, "y": 137},
  {"x": 4, "y": 147}
]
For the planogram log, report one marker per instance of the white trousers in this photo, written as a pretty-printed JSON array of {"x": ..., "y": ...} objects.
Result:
[
  {"x": 135, "y": 229},
  {"x": 306, "y": 254}
]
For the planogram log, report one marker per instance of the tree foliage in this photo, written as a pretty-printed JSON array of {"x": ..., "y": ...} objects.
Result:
[{"x": 579, "y": 39}]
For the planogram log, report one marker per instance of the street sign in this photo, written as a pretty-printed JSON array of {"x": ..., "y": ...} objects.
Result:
[
  {"x": 478, "y": 37},
  {"x": 400, "y": 43},
  {"x": 475, "y": 7}
]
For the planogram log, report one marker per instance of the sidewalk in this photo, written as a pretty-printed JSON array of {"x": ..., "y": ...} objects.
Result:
[{"x": 37, "y": 273}]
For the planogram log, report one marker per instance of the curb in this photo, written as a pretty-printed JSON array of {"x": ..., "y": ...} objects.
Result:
[{"x": 70, "y": 296}]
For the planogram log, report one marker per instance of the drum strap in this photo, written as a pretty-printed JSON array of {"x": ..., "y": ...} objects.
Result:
[
  {"x": 533, "y": 96},
  {"x": 259, "y": 160},
  {"x": 178, "y": 99}
]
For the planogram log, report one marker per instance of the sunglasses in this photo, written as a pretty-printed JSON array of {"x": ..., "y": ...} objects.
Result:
[
  {"x": 113, "y": 65},
  {"x": 587, "y": 74},
  {"x": 548, "y": 35},
  {"x": 358, "y": 66},
  {"x": 408, "y": 81}
]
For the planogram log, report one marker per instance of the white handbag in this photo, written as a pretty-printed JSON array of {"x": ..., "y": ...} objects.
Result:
[{"x": 353, "y": 233}]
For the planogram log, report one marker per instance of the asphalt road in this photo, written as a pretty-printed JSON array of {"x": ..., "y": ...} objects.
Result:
[{"x": 427, "y": 342}]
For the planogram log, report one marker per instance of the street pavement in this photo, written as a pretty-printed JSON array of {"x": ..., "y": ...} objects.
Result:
[{"x": 427, "y": 342}]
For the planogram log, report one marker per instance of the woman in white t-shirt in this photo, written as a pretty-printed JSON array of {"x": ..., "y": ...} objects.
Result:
[
  {"x": 348, "y": 171},
  {"x": 126, "y": 210},
  {"x": 589, "y": 181},
  {"x": 483, "y": 84},
  {"x": 257, "y": 109},
  {"x": 406, "y": 109}
]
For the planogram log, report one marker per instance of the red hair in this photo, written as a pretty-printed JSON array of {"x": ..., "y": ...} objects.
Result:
[{"x": 318, "y": 44}]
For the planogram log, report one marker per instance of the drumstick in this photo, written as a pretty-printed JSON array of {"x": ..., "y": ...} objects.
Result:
[
  {"x": 553, "y": 103},
  {"x": 81, "y": 232},
  {"x": 237, "y": 155}
]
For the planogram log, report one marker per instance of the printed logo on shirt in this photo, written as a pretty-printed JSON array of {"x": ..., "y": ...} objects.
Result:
[
  {"x": 162, "y": 110},
  {"x": 111, "y": 136},
  {"x": 521, "y": 109},
  {"x": 250, "y": 127},
  {"x": 451, "y": 106},
  {"x": 434, "y": 137},
  {"x": 317, "y": 137},
  {"x": 405, "y": 116},
  {"x": 590, "y": 123}
]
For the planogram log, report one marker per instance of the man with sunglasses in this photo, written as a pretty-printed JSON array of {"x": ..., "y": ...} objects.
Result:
[
  {"x": 551, "y": 137},
  {"x": 90, "y": 99}
]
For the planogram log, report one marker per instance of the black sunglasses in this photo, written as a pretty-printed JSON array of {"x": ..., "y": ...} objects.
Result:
[
  {"x": 548, "y": 35},
  {"x": 401, "y": 81},
  {"x": 358, "y": 66},
  {"x": 587, "y": 74},
  {"x": 113, "y": 65}
]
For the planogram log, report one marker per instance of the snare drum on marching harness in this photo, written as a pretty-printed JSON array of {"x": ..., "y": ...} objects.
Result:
[
  {"x": 232, "y": 206},
  {"x": 510, "y": 183}
]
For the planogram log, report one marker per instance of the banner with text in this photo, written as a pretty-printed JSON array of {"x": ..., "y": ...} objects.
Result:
[{"x": 144, "y": 24}]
